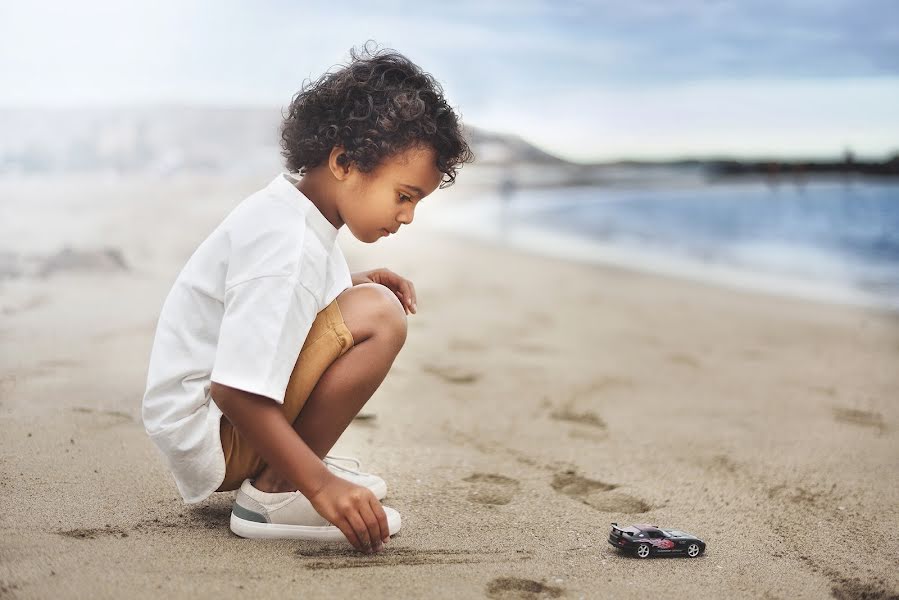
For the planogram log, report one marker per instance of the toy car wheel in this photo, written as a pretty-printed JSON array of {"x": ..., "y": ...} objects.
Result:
[
  {"x": 693, "y": 550},
  {"x": 643, "y": 551}
]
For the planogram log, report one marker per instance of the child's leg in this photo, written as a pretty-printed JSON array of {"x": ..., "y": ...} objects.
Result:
[{"x": 377, "y": 322}]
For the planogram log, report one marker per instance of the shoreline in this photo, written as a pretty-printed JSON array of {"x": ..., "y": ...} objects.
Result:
[
  {"x": 470, "y": 218},
  {"x": 537, "y": 242}
]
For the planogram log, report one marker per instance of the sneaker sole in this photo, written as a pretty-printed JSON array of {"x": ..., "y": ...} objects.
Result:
[{"x": 327, "y": 533}]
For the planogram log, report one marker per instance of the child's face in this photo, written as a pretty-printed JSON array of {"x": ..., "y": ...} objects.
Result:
[{"x": 380, "y": 202}]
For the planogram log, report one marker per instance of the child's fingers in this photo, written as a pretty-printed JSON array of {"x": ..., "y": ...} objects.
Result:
[
  {"x": 347, "y": 530},
  {"x": 374, "y": 526},
  {"x": 403, "y": 301},
  {"x": 414, "y": 297},
  {"x": 361, "y": 530},
  {"x": 381, "y": 516},
  {"x": 409, "y": 294}
]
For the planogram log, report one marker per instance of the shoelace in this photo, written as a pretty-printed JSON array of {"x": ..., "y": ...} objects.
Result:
[{"x": 330, "y": 458}]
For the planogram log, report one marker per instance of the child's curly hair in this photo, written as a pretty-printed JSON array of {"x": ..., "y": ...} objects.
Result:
[{"x": 376, "y": 106}]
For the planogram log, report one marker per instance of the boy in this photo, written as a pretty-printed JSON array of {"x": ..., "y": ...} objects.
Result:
[{"x": 266, "y": 346}]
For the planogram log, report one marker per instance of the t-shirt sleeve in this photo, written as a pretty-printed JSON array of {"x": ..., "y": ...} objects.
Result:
[{"x": 265, "y": 323}]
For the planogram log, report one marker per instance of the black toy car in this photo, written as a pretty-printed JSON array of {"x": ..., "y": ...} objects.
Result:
[{"x": 646, "y": 540}]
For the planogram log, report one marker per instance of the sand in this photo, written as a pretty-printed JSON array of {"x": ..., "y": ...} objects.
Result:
[{"x": 535, "y": 402}]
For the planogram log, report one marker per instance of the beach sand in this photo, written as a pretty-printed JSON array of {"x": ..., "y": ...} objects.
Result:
[{"x": 535, "y": 402}]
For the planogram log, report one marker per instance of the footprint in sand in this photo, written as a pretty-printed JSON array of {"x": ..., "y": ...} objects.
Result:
[
  {"x": 824, "y": 390},
  {"x": 515, "y": 588},
  {"x": 800, "y": 495},
  {"x": 492, "y": 489},
  {"x": 597, "y": 494},
  {"x": 618, "y": 502},
  {"x": 863, "y": 418},
  {"x": 587, "y": 417},
  {"x": 685, "y": 359},
  {"x": 595, "y": 427},
  {"x": 454, "y": 375},
  {"x": 852, "y": 588},
  {"x": 718, "y": 463}
]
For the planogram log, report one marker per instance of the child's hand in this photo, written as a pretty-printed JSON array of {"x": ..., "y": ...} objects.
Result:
[
  {"x": 400, "y": 286},
  {"x": 355, "y": 511}
]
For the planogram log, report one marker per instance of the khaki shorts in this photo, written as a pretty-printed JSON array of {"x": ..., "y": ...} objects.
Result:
[{"x": 328, "y": 339}]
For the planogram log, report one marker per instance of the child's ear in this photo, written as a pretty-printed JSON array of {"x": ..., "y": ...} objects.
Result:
[{"x": 339, "y": 163}]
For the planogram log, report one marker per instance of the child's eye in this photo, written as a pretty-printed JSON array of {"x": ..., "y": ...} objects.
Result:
[{"x": 404, "y": 197}]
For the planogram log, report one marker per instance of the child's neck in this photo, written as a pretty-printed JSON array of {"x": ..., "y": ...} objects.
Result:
[{"x": 315, "y": 186}]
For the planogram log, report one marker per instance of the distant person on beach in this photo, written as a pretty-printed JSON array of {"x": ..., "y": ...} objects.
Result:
[
  {"x": 267, "y": 346},
  {"x": 507, "y": 189}
]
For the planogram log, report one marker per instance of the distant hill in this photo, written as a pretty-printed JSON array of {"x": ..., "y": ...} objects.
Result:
[{"x": 500, "y": 149}]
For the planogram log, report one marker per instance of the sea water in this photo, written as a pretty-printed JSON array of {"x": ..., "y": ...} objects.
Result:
[{"x": 834, "y": 240}]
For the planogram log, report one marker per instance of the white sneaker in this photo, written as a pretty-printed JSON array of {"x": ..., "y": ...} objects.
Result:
[
  {"x": 377, "y": 485},
  {"x": 262, "y": 515}
]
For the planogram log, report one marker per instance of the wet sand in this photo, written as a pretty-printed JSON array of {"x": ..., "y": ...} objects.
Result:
[{"x": 535, "y": 402}]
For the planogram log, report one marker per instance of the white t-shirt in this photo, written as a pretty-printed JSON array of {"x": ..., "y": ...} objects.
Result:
[{"x": 238, "y": 314}]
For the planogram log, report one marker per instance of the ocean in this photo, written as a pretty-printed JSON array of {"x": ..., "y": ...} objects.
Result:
[{"x": 834, "y": 240}]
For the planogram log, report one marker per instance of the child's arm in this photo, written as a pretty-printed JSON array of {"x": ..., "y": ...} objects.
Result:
[{"x": 352, "y": 508}]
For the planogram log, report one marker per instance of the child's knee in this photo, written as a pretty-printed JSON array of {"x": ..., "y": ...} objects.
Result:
[{"x": 373, "y": 309}]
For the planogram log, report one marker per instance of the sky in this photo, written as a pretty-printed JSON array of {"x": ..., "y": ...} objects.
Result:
[{"x": 586, "y": 80}]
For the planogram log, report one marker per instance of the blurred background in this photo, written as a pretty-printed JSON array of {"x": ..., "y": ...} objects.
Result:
[{"x": 750, "y": 144}]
